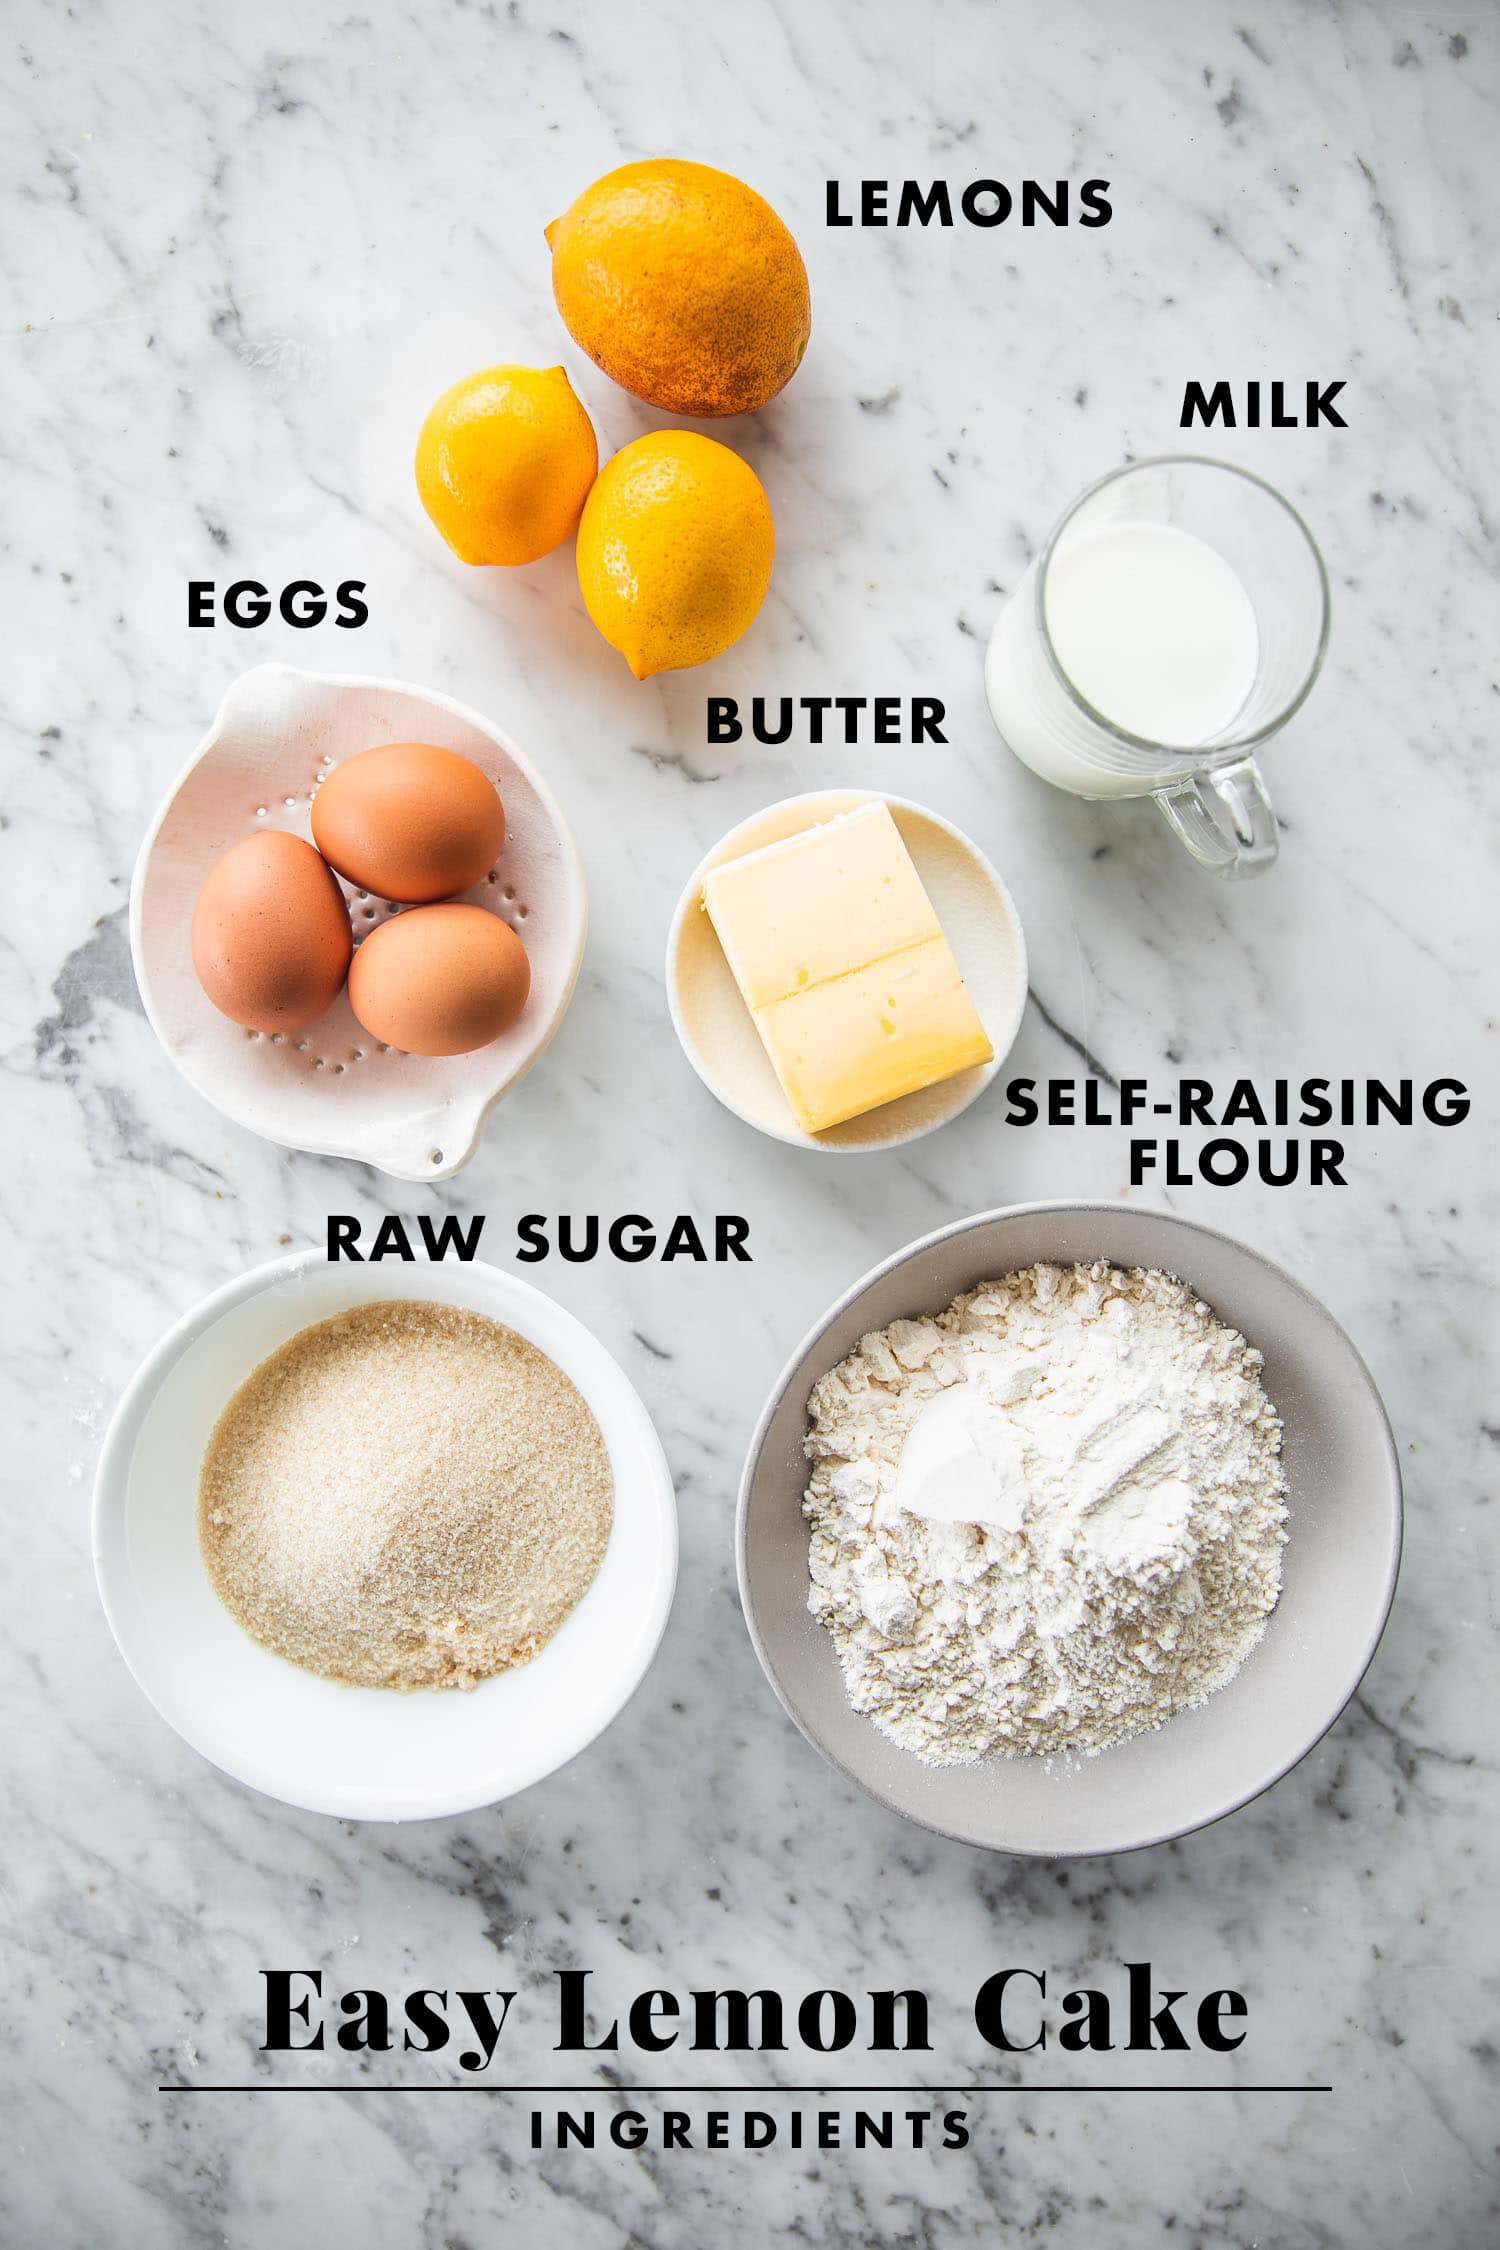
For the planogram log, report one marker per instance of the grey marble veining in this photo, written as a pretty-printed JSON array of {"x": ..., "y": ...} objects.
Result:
[{"x": 244, "y": 248}]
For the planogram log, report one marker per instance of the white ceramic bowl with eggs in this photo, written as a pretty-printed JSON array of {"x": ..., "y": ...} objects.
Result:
[
  {"x": 331, "y": 1088},
  {"x": 365, "y": 1753}
]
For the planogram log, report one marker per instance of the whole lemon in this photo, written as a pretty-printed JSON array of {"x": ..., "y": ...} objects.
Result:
[
  {"x": 684, "y": 286},
  {"x": 504, "y": 463},
  {"x": 674, "y": 550}
]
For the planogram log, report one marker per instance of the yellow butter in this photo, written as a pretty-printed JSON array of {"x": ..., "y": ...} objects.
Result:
[
  {"x": 882, "y": 1031},
  {"x": 843, "y": 964},
  {"x": 817, "y": 904}
]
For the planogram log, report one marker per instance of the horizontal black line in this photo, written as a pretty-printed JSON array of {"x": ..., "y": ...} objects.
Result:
[{"x": 749, "y": 2093}]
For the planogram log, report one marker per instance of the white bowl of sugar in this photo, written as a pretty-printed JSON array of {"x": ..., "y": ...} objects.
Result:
[{"x": 365, "y": 1753}]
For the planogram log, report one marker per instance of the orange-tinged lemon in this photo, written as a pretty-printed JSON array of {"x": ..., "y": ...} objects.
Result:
[
  {"x": 504, "y": 463},
  {"x": 674, "y": 550},
  {"x": 684, "y": 286}
]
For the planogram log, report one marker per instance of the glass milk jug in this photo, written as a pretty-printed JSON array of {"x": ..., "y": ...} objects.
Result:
[{"x": 1174, "y": 621}]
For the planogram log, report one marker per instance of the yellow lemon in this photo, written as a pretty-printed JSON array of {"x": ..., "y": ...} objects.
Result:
[
  {"x": 684, "y": 285},
  {"x": 674, "y": 550},
  {"x": 504, "y": 463}
]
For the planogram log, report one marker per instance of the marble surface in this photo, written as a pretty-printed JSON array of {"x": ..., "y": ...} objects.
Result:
[{"x": 244, "y": 250}]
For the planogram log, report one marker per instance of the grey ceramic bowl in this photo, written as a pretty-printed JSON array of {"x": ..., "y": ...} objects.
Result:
[{"x": 1343, "y": 1548}]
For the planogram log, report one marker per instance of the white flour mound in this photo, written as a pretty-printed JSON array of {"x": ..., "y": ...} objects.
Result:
[{"x": 1131, "y": 1548}]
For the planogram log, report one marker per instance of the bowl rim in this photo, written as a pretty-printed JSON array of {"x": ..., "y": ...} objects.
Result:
[
  {"x": 111, "y": 1488},
  {"x": 791, "y": 1134},
  {"x": 473, "y": 1122},
  {"x": 910, "y": 1251}
]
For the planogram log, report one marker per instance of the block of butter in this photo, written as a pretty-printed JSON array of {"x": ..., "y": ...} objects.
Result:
[{"x": 843, "y": 964}]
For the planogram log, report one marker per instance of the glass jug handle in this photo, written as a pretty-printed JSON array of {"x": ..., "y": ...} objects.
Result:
[{"x": 1223, "y": 817}]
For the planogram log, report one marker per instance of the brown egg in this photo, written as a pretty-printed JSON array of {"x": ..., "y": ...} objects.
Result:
[
  {"x": 409, "y": 821},
  {"x": 441, "y": 980},
  {"x": 270, "y": 934}
]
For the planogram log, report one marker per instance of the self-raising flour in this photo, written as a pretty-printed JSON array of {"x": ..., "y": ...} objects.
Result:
[{"x": 1047, "y": 1519}]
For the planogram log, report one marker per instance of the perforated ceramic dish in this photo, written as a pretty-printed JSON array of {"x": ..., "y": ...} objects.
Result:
[
  {"x": 332, "y": 1088},
  {"x": 715, "y": 1027},
  {"x": 1339, "y": 1567},
  {"x": 364, "y": 1753}
]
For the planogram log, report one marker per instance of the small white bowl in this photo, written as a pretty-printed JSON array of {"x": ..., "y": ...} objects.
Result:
[
  {"x": 332, "y": 1088},
  {"x": 364, "y": 1753},
  {"x": 715, "y": 1027}
]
